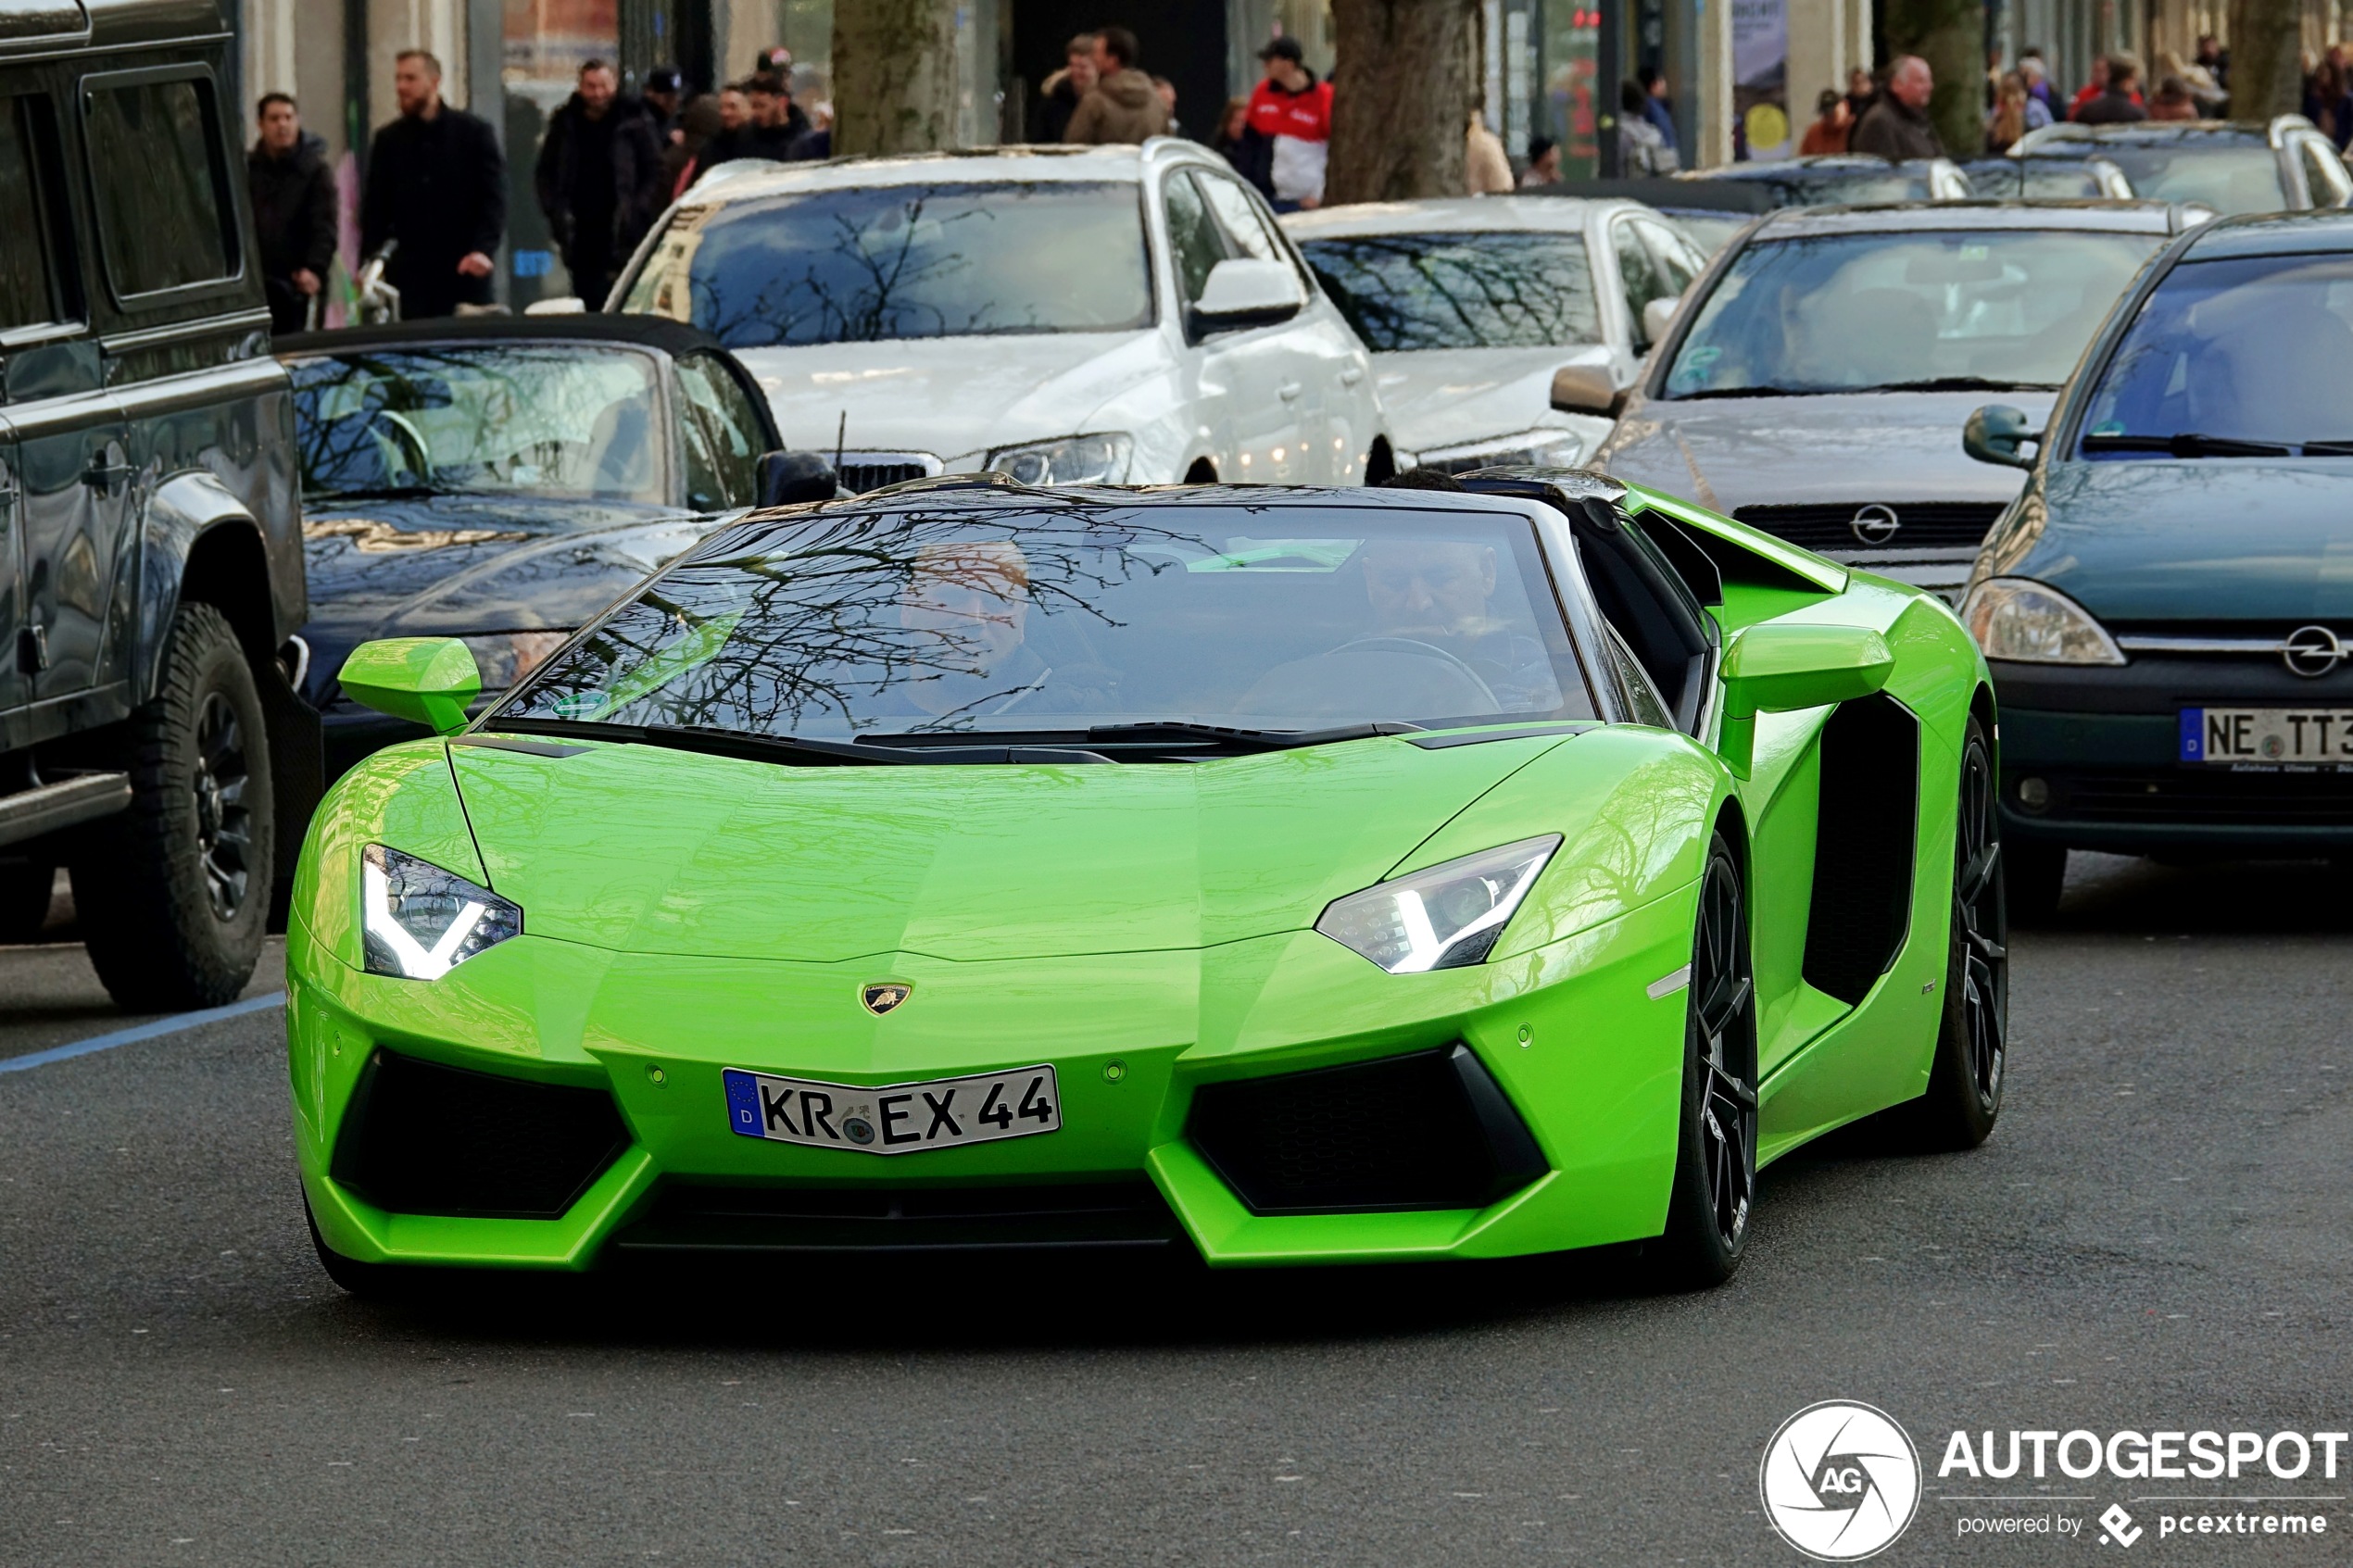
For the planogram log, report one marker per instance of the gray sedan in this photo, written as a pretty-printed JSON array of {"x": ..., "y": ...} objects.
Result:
[{"x": 1816, "y": 381}]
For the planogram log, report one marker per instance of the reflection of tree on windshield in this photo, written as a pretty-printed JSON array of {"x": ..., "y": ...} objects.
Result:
[
  {"x": 1404, "y": 292},
  {"x": 546, "y": 420},
  {"x": 879, "y": 263}
]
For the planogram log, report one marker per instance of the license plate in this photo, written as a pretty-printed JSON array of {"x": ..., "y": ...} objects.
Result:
[
  {"x": 2227, "y": 736},
  {"x": 895, "y": 1117}
]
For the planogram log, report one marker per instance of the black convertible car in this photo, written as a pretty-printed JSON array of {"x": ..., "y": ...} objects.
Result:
[{"x": 501, "y": 480}]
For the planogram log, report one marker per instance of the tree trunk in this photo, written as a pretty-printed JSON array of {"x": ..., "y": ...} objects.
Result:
[
  {"x": 2267, "y": 72},
  {"x": 1403, "y": 83},
  {"x": 894, "y": 76},
  {"x": 1950, "y": 36}
]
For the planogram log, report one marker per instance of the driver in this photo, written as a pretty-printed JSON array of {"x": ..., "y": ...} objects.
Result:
[
  {"x": 1440, "y": 593},
  {"x": 967, "y": 604}
]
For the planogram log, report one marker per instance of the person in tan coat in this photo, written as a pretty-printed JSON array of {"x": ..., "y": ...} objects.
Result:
[{"x": 1123, "y": 106}]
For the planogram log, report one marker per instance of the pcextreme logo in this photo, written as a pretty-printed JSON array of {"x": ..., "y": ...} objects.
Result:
[{"x": 1840, "y": 1481}]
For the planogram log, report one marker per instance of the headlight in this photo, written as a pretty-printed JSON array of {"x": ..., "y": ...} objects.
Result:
[
  {"x": 505, "y": 657},
  {"x": 2018, "y": 618},
  {"x": 1073, "y": 460},
  {"x": 422, "y": 921},
  {"x": 1442, "y": 918},
  {"x": 1549, "y": 448}
]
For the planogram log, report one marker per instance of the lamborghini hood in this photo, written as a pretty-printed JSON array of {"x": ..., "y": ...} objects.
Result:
[{"x": 651, "y": 850}]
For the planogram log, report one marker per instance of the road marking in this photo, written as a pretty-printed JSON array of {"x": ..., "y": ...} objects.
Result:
[{"x": 160, "y": 1027}]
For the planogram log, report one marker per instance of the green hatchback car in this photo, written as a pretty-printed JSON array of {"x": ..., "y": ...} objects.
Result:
[{"x": 1288, "y": 876}]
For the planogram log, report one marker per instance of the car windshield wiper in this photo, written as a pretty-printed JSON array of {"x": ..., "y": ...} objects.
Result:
[
  {"x": 2328, "y": 448},
  {"x": 1242, "y": 739},
  {"x": 805, "y": 750},
  {"x": 1754, "y": 392},
  {"x": 2190, "y": 443},
  {"x": 379, "y": 493},
  {"x": 1959, "y": 384}
]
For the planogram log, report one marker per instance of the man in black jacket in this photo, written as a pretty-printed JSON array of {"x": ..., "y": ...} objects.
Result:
[
  {"x": 599, "y": 181},
  {"x": 1896, "y": 127},
  {"x": 294, "y": 211},
  {"x": 436, "y": 185}
]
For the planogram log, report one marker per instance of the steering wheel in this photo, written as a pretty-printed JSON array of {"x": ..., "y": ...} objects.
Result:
[
  {"x": 1425, "y": 651},
  {"x": 387, "y": 424}
]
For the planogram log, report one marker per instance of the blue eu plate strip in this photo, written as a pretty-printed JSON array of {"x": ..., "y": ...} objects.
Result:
[
  {"x": 2193, "y": 734},
  {"x": 743, "y": 1102}
]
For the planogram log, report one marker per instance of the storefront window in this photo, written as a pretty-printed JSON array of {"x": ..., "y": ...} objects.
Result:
[
  {"x": 1569, "y": 49},
  {"x": 547, "y": 43}
]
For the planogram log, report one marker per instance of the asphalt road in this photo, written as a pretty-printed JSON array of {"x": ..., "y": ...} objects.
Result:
[{"x": 2156, "y": 1237}]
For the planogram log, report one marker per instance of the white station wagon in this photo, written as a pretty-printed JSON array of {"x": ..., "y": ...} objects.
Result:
[{"x": 1081, "y": 315}]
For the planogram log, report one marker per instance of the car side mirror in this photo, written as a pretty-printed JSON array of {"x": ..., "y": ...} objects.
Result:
[
  {"x": 1779, "y": 666},
  {"x": 427, "y": 681},
  {"x": 1245, "y": 292},
  {"x": 790, "y": 478},
  {"x": 1994, "y": 433},
  {"x": 1658, "y": 315},
  {"x": 1585, "y": 389}
]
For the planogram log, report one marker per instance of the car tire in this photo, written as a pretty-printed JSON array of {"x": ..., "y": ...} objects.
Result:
[
  {"x": 2035, "y": 874},
  {"x": 173, "y": 895},
  {"x": 25, "y": 892},
  {"x": 1715, "y": 1184},
  {"x": 1965, "y": 1079}
]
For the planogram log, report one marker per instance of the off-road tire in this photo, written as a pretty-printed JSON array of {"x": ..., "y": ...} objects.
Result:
[{"x": 173, "y": 895}]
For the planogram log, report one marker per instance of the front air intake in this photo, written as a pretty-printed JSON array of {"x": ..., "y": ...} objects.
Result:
[
  {"x": 1428, "y": 1130},
  {"x": 420, "y": 1138}
]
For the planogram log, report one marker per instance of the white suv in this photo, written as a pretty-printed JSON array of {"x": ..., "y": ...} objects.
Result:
[{"x": 1083, "y": 315}]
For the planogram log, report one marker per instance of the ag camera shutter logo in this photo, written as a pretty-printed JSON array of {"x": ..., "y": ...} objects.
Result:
[{"x": 1840, "y": 1481}]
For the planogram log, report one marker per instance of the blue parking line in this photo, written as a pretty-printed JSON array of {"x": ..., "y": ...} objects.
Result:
[{"x": 161, "y": 1026}]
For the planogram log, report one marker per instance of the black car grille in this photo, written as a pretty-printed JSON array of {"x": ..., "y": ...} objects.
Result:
[
  {"x": 1428, "y": 1130},
  {"x": 1920, "y": 525},
  {"x": 420, "y": 1138},
  {"x": 693, "y": 1218},
  {"x": 859, "y": 477},
  {"x": 2197, "y": 796}
]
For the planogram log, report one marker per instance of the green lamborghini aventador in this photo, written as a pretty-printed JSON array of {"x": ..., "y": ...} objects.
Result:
[{"x": 1290, "y": 875}]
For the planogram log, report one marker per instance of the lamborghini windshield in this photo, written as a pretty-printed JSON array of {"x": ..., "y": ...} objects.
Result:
[{"x": 1075, "y": 621}]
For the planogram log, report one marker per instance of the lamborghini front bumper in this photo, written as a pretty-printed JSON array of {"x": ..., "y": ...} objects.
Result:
[{"x": 547, "y": 1103}]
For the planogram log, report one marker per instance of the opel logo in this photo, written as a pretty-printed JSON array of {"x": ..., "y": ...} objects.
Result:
[
  {"x": 2312, "y": 651},
  {"x": 1875, "y": 524},
  {"x": 884, "y": 994}
]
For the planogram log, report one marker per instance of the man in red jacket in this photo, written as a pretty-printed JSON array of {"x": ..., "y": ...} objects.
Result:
[{"x": 1287, "y": 138}]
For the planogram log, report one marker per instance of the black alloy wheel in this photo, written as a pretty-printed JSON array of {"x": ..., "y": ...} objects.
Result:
[
  {"x": 1965, "y": 1082},
  {"x": 224, "y": 824},
  {"x": 1715, "y": 1184}
]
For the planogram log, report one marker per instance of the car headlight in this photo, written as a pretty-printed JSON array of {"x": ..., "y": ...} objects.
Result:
[
  {"x": 505, "y": 657},
  {"x": 1442, "y": 918},
  {"x": 420, "y": 922},
  {"x": 1549, "y": 448},
  {"x": 2016, "y": 618},
  {"x": 1072, "y": 459}
]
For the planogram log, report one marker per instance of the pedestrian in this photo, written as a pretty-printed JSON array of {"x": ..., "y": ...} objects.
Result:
[
  {"x": 699, "y": 120},
  {"x": 598, "y": 180},
  {"x": 1061, "y": 92},
  {"x": 437, "y": 188},
  {"x": 2008, "y": 123},
  {"x": 1544, "y": 164},
  {"x": 2173, "y": 100},
  {"x": 2118, "y": 102},
  {"x": 1167, "y": 93},
  {"x": 2205, "y": 94},
  {"x": 294, "y": 211},
  {"x": 2326, "y": 103},
  {"x": 1897, "y": 127},
  {"x": 1833, "y": 124},
  {"x": 1287, "y": 141},
  {"x": 1641, "y": 150},
  {"x": 2214, "y": 60},
  {"x": 1487, "y": 169},
  {"x": 1121, "y": 106},
  {"x": 1861, "y": 94},
  {"x": 1659, "y": 109},
  {"x": 2037, "y": 74},
  {"x": 664, "y": 89},
  {"x": 1232, "y": 121},
  {"x": 771, "y": 126}
]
